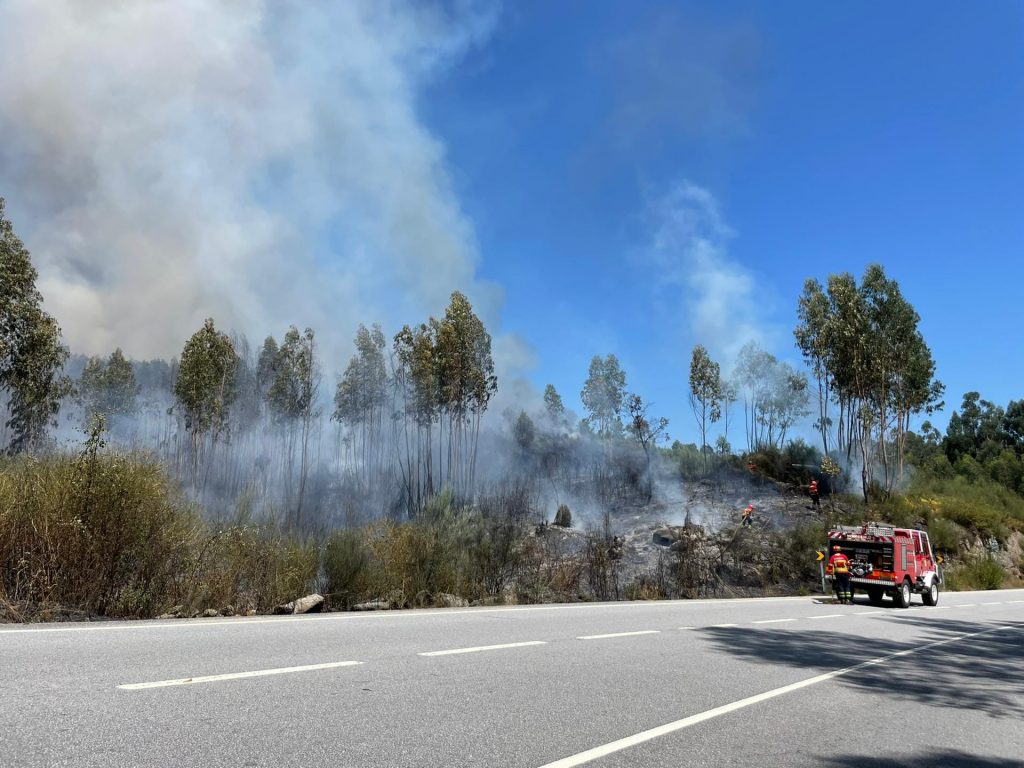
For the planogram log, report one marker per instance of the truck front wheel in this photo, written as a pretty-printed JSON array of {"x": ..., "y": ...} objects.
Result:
[
  {"x": 903, "y": 595},
  {"x": 931, "y": 597}
]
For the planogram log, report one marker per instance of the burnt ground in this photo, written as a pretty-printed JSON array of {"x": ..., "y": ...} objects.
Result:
[{"x": 701, "y": 518}]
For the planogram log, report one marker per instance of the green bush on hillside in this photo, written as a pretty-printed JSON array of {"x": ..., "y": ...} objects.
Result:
[{"x": 982, "y": 573}]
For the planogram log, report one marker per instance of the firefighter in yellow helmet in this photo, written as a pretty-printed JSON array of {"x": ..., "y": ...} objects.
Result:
[{"x": 840, "y": 564}]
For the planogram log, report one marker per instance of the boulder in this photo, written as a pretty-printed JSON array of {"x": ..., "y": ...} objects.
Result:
[
  {"x": 229, "y": 610},
  {"x": 664, "y": 537},
  {"x": 209, "y": 613},
  {"x": 309, "y": 604},
  {"x": 372, "y": 605},
  {"x": 447, "y": 600}
]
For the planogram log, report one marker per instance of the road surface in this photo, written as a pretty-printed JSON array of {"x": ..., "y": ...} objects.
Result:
[{"x": 766, "y": 682}]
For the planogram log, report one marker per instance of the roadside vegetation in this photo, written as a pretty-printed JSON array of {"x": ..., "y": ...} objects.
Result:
[{"x": 224, "y": 480}]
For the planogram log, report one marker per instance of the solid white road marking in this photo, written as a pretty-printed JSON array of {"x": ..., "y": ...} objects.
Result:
[
  {"x": 417, "y": 613},
  {"x": 620, "y": 634},
  {"x": 479, "y": 648},
  {"x": 236, "y": 675},
  {"x": 772, "y": 621},
  {"x": 411, "y": 613},
  {"x": 829, "y": 616},
  {"x": 686, "y": 722}
]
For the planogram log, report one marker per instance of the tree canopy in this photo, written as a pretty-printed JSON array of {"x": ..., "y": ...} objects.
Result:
[{"x": 32, "y": 355}]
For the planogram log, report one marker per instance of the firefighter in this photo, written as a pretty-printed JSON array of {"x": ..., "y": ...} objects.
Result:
[
  {"x": 841, "y": 574},
  {"x": 746, "y": 515},
  {"x": 815, "y": 497}
]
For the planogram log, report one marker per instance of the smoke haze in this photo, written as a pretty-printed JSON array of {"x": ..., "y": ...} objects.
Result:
[{"x": 256, "y": 162}]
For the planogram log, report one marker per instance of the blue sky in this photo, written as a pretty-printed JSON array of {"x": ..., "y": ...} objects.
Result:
[
  {"x": 829, "y": 136},
  {"x": 599, "y": 177}
]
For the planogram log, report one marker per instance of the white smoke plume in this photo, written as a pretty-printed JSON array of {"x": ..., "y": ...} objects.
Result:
[
  {"x": 690, "y": 251},
  {"x": 262, "y": 163}
]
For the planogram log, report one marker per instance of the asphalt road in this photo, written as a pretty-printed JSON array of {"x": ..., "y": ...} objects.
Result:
[{"x": 770, "y": 682}]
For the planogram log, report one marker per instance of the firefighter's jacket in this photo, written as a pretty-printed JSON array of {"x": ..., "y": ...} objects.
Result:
[{"x": 840, "y": 563}]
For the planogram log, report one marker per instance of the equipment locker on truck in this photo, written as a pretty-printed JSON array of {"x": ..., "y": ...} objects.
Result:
[{"x": 886, "y": 560}]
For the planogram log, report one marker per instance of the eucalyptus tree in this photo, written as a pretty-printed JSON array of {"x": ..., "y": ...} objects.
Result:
[
  {"x": 812, "y": 339},
  {"x": 417, "y": 399},
  {"x": 705, "y": 394},
  {"x": 32, "y": 355},
  {"x": 866, "y": 350},
  {"x": 553, "y": 405},
  {"x": 109, "y": 387},
  {"x": 603, "y": 396},
  {"x": 265, "y": 362},
  {"x": 361, "y": 398},
  {"x": 753, "y": 365},
  {"x": 205, "y": 387},
  {"x": 524, "y": 432},
  {"x": 730, "y": 394},
  {"x": 466, "y": 384},
  {"x": 293, "y": 399}
]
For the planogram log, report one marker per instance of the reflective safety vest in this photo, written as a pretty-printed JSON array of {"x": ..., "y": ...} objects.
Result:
[
  {"x": 840, "y": 563},
  {"x": 814, "y": 486}
]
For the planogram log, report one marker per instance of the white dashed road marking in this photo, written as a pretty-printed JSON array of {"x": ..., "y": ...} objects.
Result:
[
  {"x": 829, "y": 616},
  {"x": 772, "y": 621},
  {"x": 714, "y": 626},
  {"x": 620, "y": 634},
  {"x": 237, "y": 675},
  {"x": 479, "y": 648}
]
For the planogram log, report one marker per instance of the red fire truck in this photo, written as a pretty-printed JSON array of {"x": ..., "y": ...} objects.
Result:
[{"x": 885, "y": 560}]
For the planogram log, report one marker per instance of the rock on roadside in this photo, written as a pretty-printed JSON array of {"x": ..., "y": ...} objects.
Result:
[{"x": 309, "y": 604}]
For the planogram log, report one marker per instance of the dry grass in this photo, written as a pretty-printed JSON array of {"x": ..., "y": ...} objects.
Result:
[{"x": 110, "y": 534}]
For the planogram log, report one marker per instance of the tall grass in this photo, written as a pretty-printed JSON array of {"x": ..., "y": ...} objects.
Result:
[{"x": 108, "y": 533}]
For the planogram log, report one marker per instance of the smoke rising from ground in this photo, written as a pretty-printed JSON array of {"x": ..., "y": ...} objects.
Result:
[{"x": 256, "y": 162}]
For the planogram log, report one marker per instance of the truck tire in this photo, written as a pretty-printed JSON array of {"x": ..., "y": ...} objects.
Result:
[
  {"x": 875, "y": 595},
  {"x": 931, "y": 597},
  {"x": 903, "y": 593}
]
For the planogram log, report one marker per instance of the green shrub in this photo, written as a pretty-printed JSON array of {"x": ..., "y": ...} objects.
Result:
[
  {"x": 252, "y": 568},
  {"x": 945, "y": 535},
  {"x": 108, "y": 534},
  {"x": 983, "y": 573},
  {"x": 414, "y": 561},
  {"x": 563, "y": 517}
]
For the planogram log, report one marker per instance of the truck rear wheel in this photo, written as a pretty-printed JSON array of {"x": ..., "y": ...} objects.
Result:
[
  {"x": 931, "y": 597},
  {"x": 903, "y": 595}
]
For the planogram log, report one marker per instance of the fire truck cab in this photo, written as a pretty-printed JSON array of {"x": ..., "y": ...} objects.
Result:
[{"x": 885, "y": 560}]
